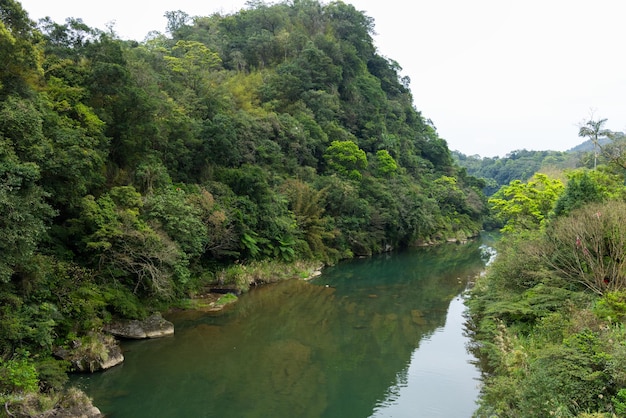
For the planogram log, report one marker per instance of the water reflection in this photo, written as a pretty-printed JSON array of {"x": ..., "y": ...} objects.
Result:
[
  {"x": 330, "y": 348},
  {"x": 440, "y": 381}
]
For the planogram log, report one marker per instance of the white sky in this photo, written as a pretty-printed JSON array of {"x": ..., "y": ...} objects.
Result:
[{"x": 493, "y": 75}]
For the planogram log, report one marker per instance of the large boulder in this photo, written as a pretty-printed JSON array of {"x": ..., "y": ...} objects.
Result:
[
  {"x": 70, "y": 403},
  {"x": 92, "y": 353},
  {"x": 154, "y": 326},
  {"x": 74, "y": 403}
]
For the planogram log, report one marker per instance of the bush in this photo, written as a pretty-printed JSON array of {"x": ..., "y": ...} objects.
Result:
[
  {"x": 124, "y": 303},
  {"x": 611, "y": 307},
  {"x": 566, "y": 379},
  {"x": 18, "y": 375},
  {"x": 619, "y": 403},
  {"x": 52, "y": 374},
  {"x": 581, "y": 189},
  {"x": 518, "y": 264},
  {"x": 589, "y": 247}
]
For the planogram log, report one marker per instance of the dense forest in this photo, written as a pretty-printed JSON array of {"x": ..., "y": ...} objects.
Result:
[
  {"x": 547, "y": 320},
  {"x": 516, "y": 165},
  {"x": 134, "y": 174},
  {"x": 523, "y": 164}
]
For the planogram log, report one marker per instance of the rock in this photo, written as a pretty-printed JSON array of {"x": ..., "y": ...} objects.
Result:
[
  {"x": 76, "y": 412},
  {"x": 152, "y": 327},
  {"x": 93, "y": 353},
  {"x": 95, "y": 364},
  {"x": 74, "y": 403},
  {"x": 115, "y": 357}
]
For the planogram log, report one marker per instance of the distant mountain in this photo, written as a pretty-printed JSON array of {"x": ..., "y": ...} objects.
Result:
[
  {"x": 523, "y": 164},
  {"x": 517, "y": 165},
  {"x": 587, "y": 146}
]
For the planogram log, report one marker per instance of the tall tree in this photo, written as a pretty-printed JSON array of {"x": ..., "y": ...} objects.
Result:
[
  {"x": 20, "y": 54},
  {"x": 24, "y": 215},
  {"x": 592, "y": 129}
]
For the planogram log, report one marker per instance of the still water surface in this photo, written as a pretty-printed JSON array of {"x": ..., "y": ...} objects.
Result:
[{"x": 378, "y": 337}]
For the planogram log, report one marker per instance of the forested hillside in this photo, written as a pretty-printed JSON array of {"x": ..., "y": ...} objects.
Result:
[
  {"x": 523, "y": 164},
  {"x": 518, "y": 165},
  {"x": 135, "y": 173}
]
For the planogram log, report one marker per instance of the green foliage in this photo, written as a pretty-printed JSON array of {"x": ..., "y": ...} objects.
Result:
[
  {"x": 524, "y": 206},
  {"x": 611, "y": 306},
  {"x": 244, "y": 275},
  {"x": 315, "y": 230},
  {"x": 180, "y": 219},
  {"x": 550, "y": 346},
  {"x": 23, "y": 212},
  {"x": 20, "y": 60},
  {"x": 135, "y": 173},
  {"x": 346, "y": 159},
  {"x": 192, "y": 63},
  {"x": 580, "y": 189},
  {"x": 18, "y": 375},
  {"x": 588, "y": 247},
  {"x": 619, "y": 402},
  {"x": 52, "y": 374},
  {"x": 123, "y": 303},
  {"x": 249, "y": 243},
  {"x": 27, "y": 326},
  {"x": 517, "y": 165},
  {"x": 385, "y": 164},
  {"x": 129, "y": 249},
  {"x": 567, "y": 379},
  {"x": 226, "y": 299}
]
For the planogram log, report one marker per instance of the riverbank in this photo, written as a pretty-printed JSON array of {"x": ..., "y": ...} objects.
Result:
[
  {"x": 331, "y": 347},
  {"x": 240, "y": 278},
  {"x": 548, "y": 346}
]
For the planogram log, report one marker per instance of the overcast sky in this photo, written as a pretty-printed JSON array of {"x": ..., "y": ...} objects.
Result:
[{"x": 494, "y": 76}]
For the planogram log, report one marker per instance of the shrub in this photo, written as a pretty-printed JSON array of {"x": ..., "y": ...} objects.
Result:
[
  {"x": 52, "y": 374},
  {"x": 18, "y": 375},
  {"x": 612, "y": 306},
  {"x": 124, "y": 303},
  {"x": 589, "y": 246},
  {"x": 619, "y": 403},
  {"x": 518, "y": 265},
  {"x": 566, "y": 379},
  {"x": 580, "y": 189}
]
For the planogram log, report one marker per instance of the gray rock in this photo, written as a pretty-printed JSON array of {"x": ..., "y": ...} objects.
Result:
[
  {"x": 100, "y": 352},
  {"x": 74, "y": 403},
  {"x": 84, "y": 412},
  {"x": 152, "y": 327}
]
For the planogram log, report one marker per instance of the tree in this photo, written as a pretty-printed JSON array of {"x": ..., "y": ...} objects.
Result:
[
  {"x": 615, "y": 150},
  {"x": 346, "y": 158},
  {"x": 385, "y": 164},
  {"x": 581, "y": 189},
  {"x": 126, "y": 248},
  {"x": 524, "y": 206},
  {"x": 314, "y": 228},
  {"x": 20, "y": 55},
  {"x": 24, "y": 214},
  {"x": 176, "y": 20},
  {"x": 592, "y": 129},
  {"x": 192, "y": 61},
  {"x": 182, "y": 221}
]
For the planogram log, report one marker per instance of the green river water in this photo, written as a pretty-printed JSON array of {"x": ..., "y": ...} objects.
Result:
[{"x": 376, "y": 337}]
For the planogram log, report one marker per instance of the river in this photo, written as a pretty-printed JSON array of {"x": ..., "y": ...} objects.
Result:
[{"x": 377, "y": 337}]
